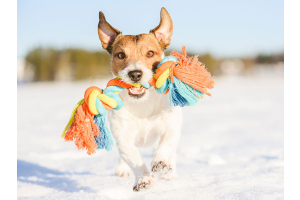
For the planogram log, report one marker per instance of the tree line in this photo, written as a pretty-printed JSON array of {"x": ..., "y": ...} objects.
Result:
[{"x": 50, "y": 64}]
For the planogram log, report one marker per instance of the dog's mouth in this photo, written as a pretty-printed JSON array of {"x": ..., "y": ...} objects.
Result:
[{"x": 137, "y": 92}]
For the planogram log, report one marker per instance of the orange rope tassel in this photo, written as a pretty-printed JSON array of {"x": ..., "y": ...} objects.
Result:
[
  {"x": 192, "y": 72},
  {"x": 83, "y": 130}
]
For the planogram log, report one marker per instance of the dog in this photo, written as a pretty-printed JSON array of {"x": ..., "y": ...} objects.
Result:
[{"x": 147, "y": 118}]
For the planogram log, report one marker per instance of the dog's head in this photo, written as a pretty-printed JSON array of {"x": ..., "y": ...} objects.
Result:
[{"x": 135, "y": 57}]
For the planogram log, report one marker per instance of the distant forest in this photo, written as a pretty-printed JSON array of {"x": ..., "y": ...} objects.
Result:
[
  {"x": 50, "y": 64},
  {"x": 76, "y": 64}
]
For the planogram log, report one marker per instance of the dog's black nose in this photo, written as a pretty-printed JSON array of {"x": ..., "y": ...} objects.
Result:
[{"x": 135, "y": 75}]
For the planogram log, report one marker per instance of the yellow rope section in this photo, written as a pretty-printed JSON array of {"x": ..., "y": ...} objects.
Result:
[
  {"x": 162, "y": 78},
  {"x": 109, "y": 101},
  {"x": 136, "y": 85},
  {"x": 92, "y": 102}
]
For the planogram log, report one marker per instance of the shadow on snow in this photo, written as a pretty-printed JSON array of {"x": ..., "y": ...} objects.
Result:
[{"x": 36, "y": 174}]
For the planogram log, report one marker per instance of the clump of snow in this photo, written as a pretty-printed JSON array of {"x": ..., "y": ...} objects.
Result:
[{"x": 231, "y": 146}]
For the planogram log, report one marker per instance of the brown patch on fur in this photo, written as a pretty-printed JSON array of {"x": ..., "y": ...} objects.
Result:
[
  {"x": 154, "y": 66},
  {"x": 135, "y": 49},
  {"x": 110, "y": 45}
]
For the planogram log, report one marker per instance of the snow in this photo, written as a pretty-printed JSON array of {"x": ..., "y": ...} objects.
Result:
[{"x": 231, "y": 146}]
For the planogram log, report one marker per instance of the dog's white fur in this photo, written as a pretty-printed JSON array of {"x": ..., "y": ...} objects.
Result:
[
  {"x": 145, "y": 122},
  {"x": 147, "y": 73}
]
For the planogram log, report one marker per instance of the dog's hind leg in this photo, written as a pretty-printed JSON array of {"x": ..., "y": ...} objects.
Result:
[{"x": 123, "y": 170}]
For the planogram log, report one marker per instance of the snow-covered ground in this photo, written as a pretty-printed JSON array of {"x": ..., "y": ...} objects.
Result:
[{"x": 231, "y": 146}]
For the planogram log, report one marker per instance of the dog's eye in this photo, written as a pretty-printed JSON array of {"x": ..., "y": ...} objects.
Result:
[
  {"x": 121, "y": 55},
  {"x": 150, "y": 54}
]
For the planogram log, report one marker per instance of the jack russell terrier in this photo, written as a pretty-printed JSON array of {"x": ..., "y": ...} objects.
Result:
[{"x": 147, "y": 117}]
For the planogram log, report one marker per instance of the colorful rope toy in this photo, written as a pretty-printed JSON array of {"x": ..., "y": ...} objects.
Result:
[{"x": 185, "y": 79}]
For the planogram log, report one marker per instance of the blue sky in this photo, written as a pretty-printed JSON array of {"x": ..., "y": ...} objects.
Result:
[{"x": 231, "y": 28}]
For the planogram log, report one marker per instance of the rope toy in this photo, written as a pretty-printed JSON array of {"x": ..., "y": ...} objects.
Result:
[{"x": 185, "y": 79}]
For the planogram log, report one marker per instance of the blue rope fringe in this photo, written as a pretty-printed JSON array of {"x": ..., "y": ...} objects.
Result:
[
  {"x": 182, "y": 94},
  {"x": 104, "y": 141}
]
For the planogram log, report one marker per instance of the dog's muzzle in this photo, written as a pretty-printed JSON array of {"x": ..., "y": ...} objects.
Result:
[
  {"x": 135, "y": 75},
  {"x": 136, "y": 90}
]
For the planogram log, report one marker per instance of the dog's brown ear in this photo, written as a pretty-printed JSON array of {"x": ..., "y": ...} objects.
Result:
[
  {"x": 164, "y": 30},
  {"x": 106, "y": 32}
]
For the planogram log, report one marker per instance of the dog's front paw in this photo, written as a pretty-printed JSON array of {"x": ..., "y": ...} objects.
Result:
[
  {"x": 161, "y": 167},
  {"x": 144, "y": 183}
]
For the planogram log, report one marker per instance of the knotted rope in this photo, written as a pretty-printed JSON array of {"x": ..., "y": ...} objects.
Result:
[{"x": 185, "y": 79}]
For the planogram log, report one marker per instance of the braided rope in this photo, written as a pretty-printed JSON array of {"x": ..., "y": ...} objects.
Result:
[{"x": 185, "y": 80}]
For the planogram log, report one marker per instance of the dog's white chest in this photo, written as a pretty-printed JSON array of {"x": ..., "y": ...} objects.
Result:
[
  {"x": 142, "y": 120},
  {"x": 149, "y": 131}
]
